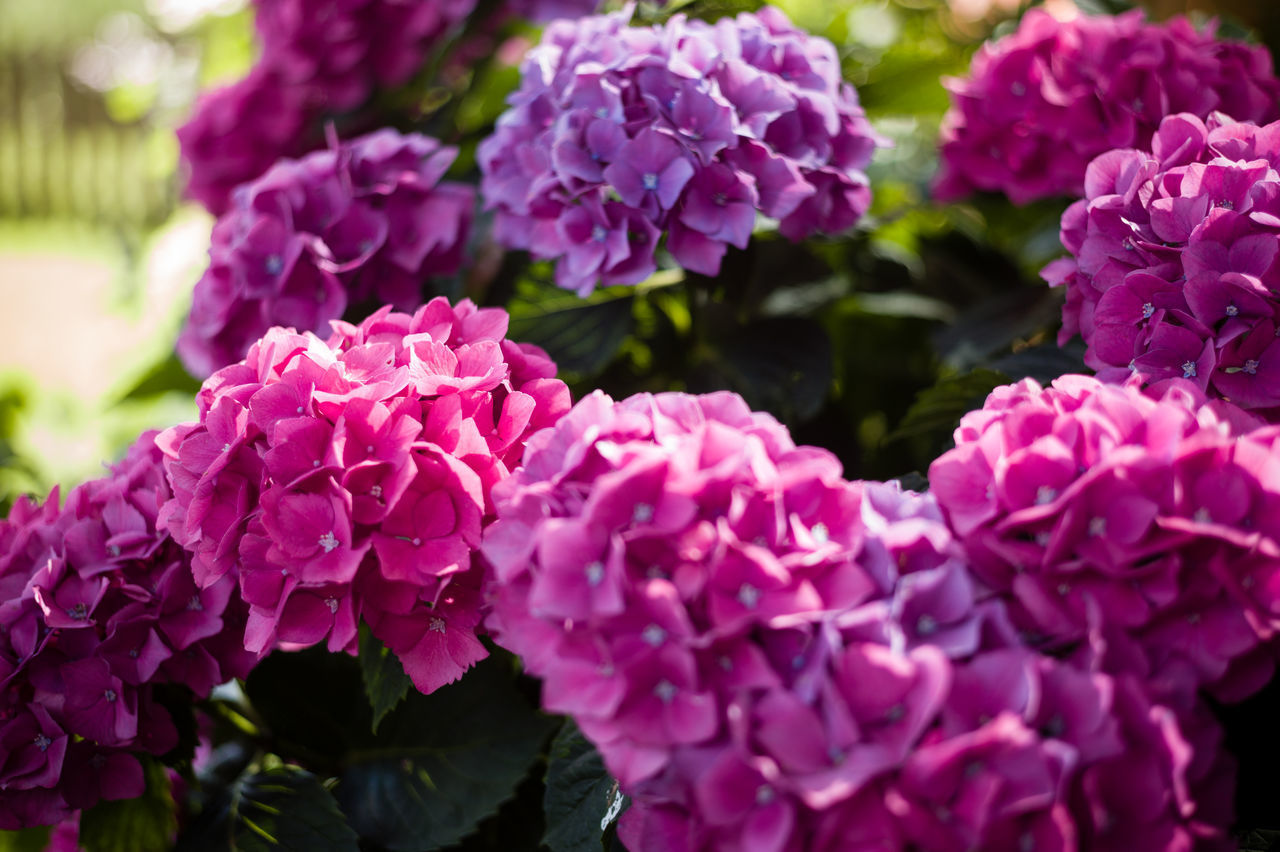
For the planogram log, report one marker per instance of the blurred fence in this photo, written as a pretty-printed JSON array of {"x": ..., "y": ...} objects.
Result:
[{"x": 61, "y": 155}]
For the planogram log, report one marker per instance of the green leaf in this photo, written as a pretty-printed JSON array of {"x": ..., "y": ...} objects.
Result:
[
  {"x": 33, "y": 839},
  {"x": 313, "y": 704},
  {"x": 581, "y": 335},
  {"x": 1260, "y": 840},
  {"x": 164, "y": 376},
  {"x": 937, "y": 410},
  {"x": 385, "y": 682},
  {"x": 284, "y": 808},
  {"x": 581, "y": 800},
  {"x": 1044, "y": 363},
  {"x": 143, "y": 824},
  {"x": 443, "y": 762},
  {"x": 780, "y": 364},
  {"x": 287, "y": 809}
]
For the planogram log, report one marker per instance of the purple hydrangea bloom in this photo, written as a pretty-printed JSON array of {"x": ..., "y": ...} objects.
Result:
[
  {"x": 366, "y": 221},
  {"x": 349, "y": 479},
  {"x": 769, "y": 657},
  {"x": 620, "y": 134},
  {"x": 1173, "y": 269},
  {"x": 1039, "y": 104},
  {"x": 1089, "y": 506},
  {"x": 97, "y": 607}
]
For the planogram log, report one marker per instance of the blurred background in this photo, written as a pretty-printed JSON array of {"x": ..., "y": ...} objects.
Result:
[{"x": 98, "y": 254}]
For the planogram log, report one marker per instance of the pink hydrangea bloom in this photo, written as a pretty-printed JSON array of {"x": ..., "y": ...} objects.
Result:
[
  {"x": 368, "y": 220},
  {"x": 1173, "y": 268},
  {"x": 1089, "y": 506},
  {"x": 769, "y": 657},
  {"x": 349, "y": 479},
  {"x": 620, "y": 134},
  {"x": 1039, "y": 104},
  {"x": 97, "y": 608}
]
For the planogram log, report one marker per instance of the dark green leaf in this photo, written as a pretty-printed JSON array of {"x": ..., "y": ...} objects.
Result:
[
  {"x": 287, "y": 809},
  {"x": 1260, "y": 840},
  {"x": 385, "y": 682},
  {"x": 443, "y": 762},
  {"x": 27, "y": 840},
  {"x": 937, "y": 410},
  {"x": 313, "y": 704},
  {"x": 914, "y": 481},
  {"x": 581, "y": 335},
  {"x": 143, "y": 824},
  {"x": 581, "y": 798},
  {"x": 1044, "y": 363},
  {"x": 779, "y": 364}
]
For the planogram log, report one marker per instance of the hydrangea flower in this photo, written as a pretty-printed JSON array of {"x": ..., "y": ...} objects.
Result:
[
  {"x": 618, "y": 135},
  {"x": 770, "y": 657},
  {"x": 318, "y": 60},
  {"x": 1042, "y": 102},
  {"x": 367, "y": 220},
  {"x": 1173, "y": 267},
  {"x": 340, "y": 51},
  {"x": 1089, "y": 506},
  {"x": 98, "y": 608},
  {"x": 349, "y": 479},
  {"x": 238, "y": 131}
]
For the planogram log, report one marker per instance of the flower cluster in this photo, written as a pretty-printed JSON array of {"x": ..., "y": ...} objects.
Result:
[
  {"x": 1092, "y": 507},
  {"x": 367, "y": 220},
  {"x": 1039, "y": 104},
  {"x": 1173, "y": 268},
  {"x": 100, "y": 613},
  {"x": 770, "y": 657},
  {"x": 619, "y": 134},
  {"x": 350, "y": 479},
  {"x": 318, "y": 59}
]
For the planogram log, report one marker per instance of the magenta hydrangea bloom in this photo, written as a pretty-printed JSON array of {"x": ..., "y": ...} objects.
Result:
[
  {"x": 349, "y": 479},
  {"x": 1039, "y": 104},
  {"x": 98, "y": 608},
  {"x": 365, "y": 221},
  {"x": 318, "y": 60},
  {"x": 239, "y": 131},
  {"x": 1088, "y": 506},
  {"x": 769, "y": 657},
  {"x": 1173, "y": 269},
  {"x": 618, "y": 135},
  {"x": 339, "y": 51}
]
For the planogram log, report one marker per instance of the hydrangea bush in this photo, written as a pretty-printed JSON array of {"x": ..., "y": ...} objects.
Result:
[
  {"x": 390, "y": 589},
  {"x": 1041, "y": 103},
  {"x": 619, "y": 135}
]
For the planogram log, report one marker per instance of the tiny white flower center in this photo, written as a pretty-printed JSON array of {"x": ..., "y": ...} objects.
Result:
[
  {"x": 748, "y": 595},
  {"x": 654, "y": 635},
  {"x": 436, "y": 625},
  {"x": 595, "y": 573},
  {"x": 1188, "y": 369},
  {"x": 643, "y": 513},
  {"x": 328, "y": 541}
]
